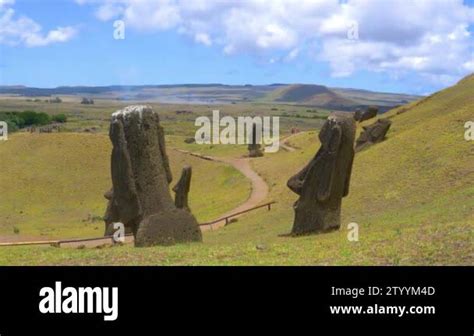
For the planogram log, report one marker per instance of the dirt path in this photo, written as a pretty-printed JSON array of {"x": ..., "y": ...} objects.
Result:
[
  {"x": 259, "y": 187},
  {"x": 284, "y": 143}
]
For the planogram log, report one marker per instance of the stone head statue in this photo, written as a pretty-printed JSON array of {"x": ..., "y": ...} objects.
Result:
[
  {"x": 370, "y": 113},
  {"x": 140, "y": 197},
  {"x": 254, "y": 147},
  {"x": 325, "y": 180},
  {"x": 182, "y": 188},
  {"x": 373, "y": 133}
]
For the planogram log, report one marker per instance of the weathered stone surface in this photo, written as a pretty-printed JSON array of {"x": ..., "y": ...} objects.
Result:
[
  {"x": 111, "y": 213},
  {"x": 182, "y": 189},
  {"x": 358, "y": 114},
  {"x": 168, "y": 227},
  {"x": 370, "y": 113},
  {"x": 323, "y": 183},
  {"x": 141, "y": 175},
  {"x": 254, "y": 147},
  {"x": 373, "y": 133}
]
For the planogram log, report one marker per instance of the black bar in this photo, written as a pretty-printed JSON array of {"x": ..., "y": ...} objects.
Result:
[{"x": 245, "y": 299}]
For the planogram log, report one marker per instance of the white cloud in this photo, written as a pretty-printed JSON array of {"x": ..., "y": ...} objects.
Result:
[
  {"x": 430, "y": 38},
  {"x": 21, "y": 30},
  {"x": 292, "y": 55},
  {"x": 203, "y": 38}
]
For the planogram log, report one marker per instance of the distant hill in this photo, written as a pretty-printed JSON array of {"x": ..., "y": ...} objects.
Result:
[
  {"x": 365, "y": 97},
  {"x": 310, "y": 94},
  {"x": 297, "y": 94}
]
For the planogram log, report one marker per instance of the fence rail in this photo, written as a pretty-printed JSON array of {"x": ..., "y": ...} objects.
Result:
[
  {"x": 58, "y": 242},
  {"x": 227, "y": 218}
]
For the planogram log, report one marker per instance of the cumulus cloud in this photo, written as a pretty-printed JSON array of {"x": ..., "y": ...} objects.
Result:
[
  {"x": 398, "y": 36},
  {"x": 21, "y": 30},
  {"x": 430, "y": 38}
]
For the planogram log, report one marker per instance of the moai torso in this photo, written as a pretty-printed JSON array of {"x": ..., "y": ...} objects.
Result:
[
  {"x": 141, "y": 175},
  {"x": 323, "y": 183}
]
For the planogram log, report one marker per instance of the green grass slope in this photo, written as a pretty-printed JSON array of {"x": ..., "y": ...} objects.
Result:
[
  {"x": 412, "y": 196},
  {"x": 52, "y": 185}
]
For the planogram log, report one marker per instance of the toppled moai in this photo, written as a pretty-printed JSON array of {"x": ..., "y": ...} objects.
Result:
[
  {"x": 325, "y": 180},
  {"x": 140, "y": 197},
  {"x": 373, "y": 133},
  {"x": 370, "y": 113},
  {"x": 182, "y": 188},
  {"x": 254, "y": 147}
]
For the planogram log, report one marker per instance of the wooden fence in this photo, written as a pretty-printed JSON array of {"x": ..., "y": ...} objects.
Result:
[{"x": 227, "y": 218}]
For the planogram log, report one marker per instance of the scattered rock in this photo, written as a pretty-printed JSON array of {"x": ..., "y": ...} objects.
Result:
[{"x": 87, "y": 101}]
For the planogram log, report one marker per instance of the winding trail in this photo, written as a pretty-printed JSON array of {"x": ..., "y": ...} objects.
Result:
[
  {"x": 259, "y": 187},
  {"x": 285, "y": 145}
]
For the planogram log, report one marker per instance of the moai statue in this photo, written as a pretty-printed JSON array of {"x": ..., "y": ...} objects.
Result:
[
  {"x": 357, "y": 114},
  {"x": 370, "y": 113},
  {"x": 182, "y": 189},
  {"x": 254, "y": 147},
  {"x": 373, "y": 133},
  {"x": 140, "y": 176},
  {"x": 323, "y": 183},
  {"x": 3, "y": 130}
]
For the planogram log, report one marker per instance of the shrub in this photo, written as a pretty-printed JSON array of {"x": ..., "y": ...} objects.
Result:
[
  {"x": 17, "y": 120},
  {"x": 59, "y": 118},
  {"x": 34, "y": 118}
]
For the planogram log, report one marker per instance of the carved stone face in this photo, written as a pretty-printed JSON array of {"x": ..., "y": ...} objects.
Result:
[
  {"x": 325, "y": 179},
  {"x": 373, "y": 133}
]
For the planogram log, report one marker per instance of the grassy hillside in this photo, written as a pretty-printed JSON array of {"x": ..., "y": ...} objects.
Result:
[
  {"x": 412, "y": 196},
  {"x": 53, "y": 184},
  {"x": 316, "y": 95}
]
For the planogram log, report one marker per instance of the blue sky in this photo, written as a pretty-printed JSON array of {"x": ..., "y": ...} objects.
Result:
[{"x": 397, "y": 48}]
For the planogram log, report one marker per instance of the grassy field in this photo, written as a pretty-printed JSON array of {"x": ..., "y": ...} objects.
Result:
[
  {"x": 53, "y": 184},
  {"x": 412, "y": 196},
  {"x": 177, "y": 119}
]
